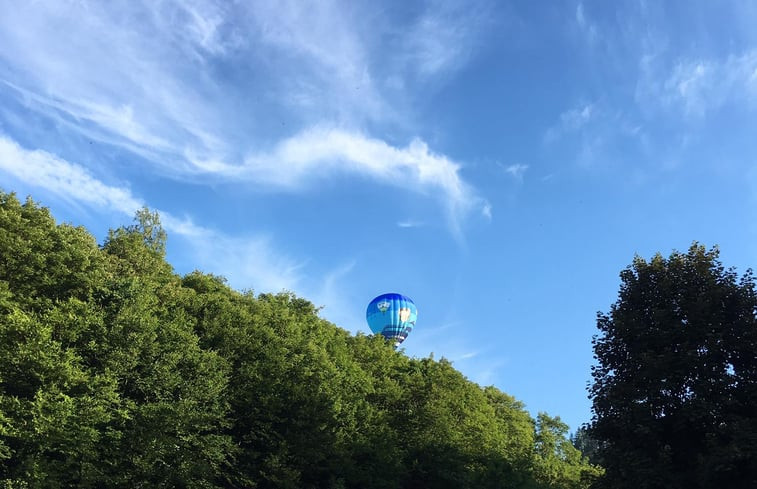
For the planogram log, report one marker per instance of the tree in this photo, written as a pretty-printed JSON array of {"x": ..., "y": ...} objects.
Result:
[
  {"x": 675, "y": 388},
  {"x": 141, "y": 246},
  {"x": 558, "y": 463},
  {"x": 588, "y": 446},
  {"x": 116, "y": 372}
]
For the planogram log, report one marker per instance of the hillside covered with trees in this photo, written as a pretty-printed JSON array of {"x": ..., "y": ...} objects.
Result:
[{"x": 117, "y": 372}]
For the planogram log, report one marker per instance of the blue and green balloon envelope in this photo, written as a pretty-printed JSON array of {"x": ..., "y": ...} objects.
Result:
[{"x": 392, "y": 315}]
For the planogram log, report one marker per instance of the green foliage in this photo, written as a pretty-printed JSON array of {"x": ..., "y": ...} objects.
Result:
[
  {"x": 115, "y": 372},
  {"x": 560, "y": 463},
  {"x": 675, "y": 389},
  {"x": 587, "y": 445}
]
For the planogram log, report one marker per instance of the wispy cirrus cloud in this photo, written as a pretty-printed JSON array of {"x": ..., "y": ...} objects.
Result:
[
  {"x": 482, "y": 366},
  {"x": 339, "y": 301},
  {"x": 695, "y": 86},
  {"x": 588, "y": 27},
  {"x": 138, "y": 99},
  {"x": 571, "y": 120},
  {"x": 516, "y": 171},
  {"x": 146, "y": 100},
  {"x": 68, "y": 181},
  {"x": 443, "y": 38},
  {"x": 596, "y": 131},
  {"x": 409, "y": 223},
  {"x": 335, "y": 64},
  {"x": 465, "y": 356},
  {"x": 666, "y": 61},
  {"x": 664, "y": 72},
  {"x": 248, "y": 262}
]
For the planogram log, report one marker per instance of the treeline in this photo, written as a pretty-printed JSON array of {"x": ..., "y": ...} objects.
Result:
[{"x": 117, "y": 372}]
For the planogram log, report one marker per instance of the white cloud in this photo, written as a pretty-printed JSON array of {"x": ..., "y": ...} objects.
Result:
[
  {"x": 479, "y": 365},
  {"x": 206, "y": 25},
  {"x": 162, "y": 97},
  {"x": 333, "y": 66},
  {"x": 486, "y": 371},
  {"x": 596, "y": 132},
  {"x": 69, "y": 181},
  {"x": 316, "y": 152},
  {"x": 486, "y": 211},
  {"x": 248, "y": 262},
  {"x": 443, "y": 37},
  {"x": 574, "y": 119},
  {"x": 571, "y": 120},
  {"x": 691, "y": 84},
  {"x": 409, "y": 223},
  {"x": 360, "y": 62},
  {"x": 586, "y": 26},
  {"x": 336, "y": 294},
  {"x": 139, "y": 95},
  {"x": 465, "y": 356},
  {"x": 693, "y": 87},
  {"x": 516, "y": 171}
]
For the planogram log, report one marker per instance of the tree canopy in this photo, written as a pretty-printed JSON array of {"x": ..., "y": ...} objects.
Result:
[
  {"x": 117, "y": 372},
  {"x": 675, "y": 389}
]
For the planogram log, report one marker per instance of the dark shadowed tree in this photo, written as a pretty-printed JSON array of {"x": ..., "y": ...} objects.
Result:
[{"x": 675, "y": 388}]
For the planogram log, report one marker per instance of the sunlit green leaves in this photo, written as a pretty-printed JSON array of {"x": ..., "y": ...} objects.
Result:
[{"x": 116, "y": 372}]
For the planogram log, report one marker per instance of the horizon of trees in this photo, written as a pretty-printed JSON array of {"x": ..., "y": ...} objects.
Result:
[{"x": 117, "y": 372}]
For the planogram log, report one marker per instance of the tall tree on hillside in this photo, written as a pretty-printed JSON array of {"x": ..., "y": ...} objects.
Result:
[{"x": 675, "y": 388}]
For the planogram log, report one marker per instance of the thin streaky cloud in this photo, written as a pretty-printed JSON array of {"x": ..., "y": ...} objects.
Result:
[
  {"x": 479, "y": 366},
  {"x": 692, "y": 87},
  {"x": 151, "y": 147},
  {"x": 585, "y": 24},
  {"x": 145, "y": 101},
  {"x": 69, "y": 181},
  {"x": 576, "y": 118},
  {"x": 138, "y": 98},
  {"x": 465, "y": 356},
  {"x": 691, "y": 84},
  {"x": 444, "y": 37},
  {"x": 335, "y": 62},
  {"x": 486, "y": 374},
  {"x": 570, "y": 121},
  {"x": 429, "y": 333},
  {"x": 409, "y": 223},
  {"x": 248, "y": 262},
  {"x": 516, "y": 170},
  {"x": 335, "y": 295}
]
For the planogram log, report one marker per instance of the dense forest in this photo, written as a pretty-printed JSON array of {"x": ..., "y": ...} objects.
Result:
[{"x": 117, "y": 372}]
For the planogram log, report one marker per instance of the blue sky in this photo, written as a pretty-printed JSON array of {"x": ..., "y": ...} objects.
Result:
[{"x": 499, "y": 162}]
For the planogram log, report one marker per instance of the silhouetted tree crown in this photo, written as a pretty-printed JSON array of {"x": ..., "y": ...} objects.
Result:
[{"x": 675, "y": 389}]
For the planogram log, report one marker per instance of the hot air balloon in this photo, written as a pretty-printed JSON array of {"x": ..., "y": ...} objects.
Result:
[{"x": 392, "y": 315}]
